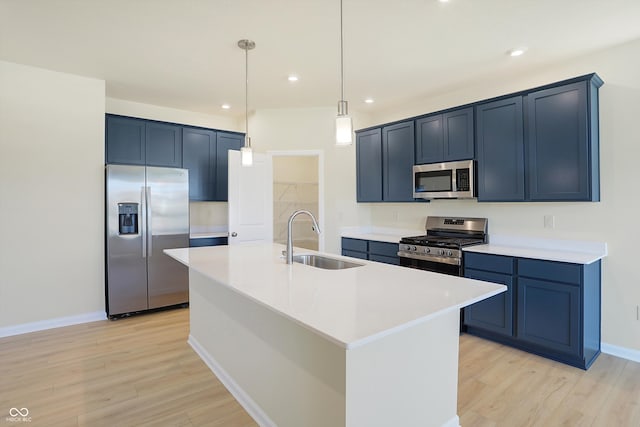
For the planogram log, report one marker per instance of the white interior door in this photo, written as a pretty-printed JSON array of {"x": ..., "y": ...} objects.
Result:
[{"x": 250, "y": 199}]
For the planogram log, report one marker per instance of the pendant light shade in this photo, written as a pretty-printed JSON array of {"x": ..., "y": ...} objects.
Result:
[
  {"x": 344, "y": 127},
  {"x": 246, "y": 156},
  {"x": 246, "y": 153}
]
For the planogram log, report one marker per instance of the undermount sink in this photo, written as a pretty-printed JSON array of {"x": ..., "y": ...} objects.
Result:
[{"x": 324, "y": 262}]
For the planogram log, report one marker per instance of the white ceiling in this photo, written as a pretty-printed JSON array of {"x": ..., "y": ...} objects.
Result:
[{"x": 184, "y": 54}]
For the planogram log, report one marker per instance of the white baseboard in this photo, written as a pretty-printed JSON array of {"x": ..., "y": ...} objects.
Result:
[
  {"x": 623, "y": 352},
  {"x": 241, "y": 396},
  {"x": 42, "y": 325}
]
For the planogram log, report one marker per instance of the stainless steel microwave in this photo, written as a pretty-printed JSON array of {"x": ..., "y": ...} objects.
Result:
[{"x": 450, "y": 180}]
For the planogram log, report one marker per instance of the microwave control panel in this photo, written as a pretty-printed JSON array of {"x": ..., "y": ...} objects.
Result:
[{"x": 462, "y": 180}]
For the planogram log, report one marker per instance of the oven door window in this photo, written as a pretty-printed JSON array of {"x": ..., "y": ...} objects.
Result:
[
  {"x": 433, "y": 181},
  {"x": 436, "y": 267}
]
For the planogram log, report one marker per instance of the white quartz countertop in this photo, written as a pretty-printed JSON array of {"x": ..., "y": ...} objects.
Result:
[
  {"x": 205, "y": 232},
  {"x": 350, "y": 307},
  {"x": 577, "y": 252},
  {"x": 210, "y": 234},
  {"x": 379, "y": 234}
]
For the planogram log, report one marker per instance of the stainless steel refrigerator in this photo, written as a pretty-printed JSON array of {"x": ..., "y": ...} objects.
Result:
[{"x": 147, "y": 212}]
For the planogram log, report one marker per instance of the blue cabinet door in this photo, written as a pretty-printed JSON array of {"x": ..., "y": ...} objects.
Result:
[
  {"x": 397, "y": 162},
  {"x": 198, "y": 155},
  {"x": 500, "y": 146},
  {"x": 549, "y": 315},
  {"x": 494, "y": 314},
  {"x": 445, "y": 137},
  {"x": 163, "y": 145},
  {"x": 369, "y": 165},
  {"x": 225, "y": 142},
  {"x": 429, "y": 139},
  {"x": 125, "y": 140},
  {"x": 558, "y": 144},
  {"x": 458, "y": 135}
]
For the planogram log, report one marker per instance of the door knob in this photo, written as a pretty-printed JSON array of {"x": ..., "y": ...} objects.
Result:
[{"x": 234, "y": 234}]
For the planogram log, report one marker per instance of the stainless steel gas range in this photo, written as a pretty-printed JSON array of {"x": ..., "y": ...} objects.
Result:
[{"x": 440, "y": 250}]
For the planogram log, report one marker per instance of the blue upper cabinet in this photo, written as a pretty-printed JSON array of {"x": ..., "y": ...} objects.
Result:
[
  {"x": 429, "y": 140},
  {"x": 500, "y": 146},
  {"x": 163, "y": 145},
  {"x": 458, "y": 135},
  {"x": 125, "y": 140},
  {"x": 225, "y": 142},
  {"x": 562, "y": 152},
  {"x": 134, "y": 141},
  {"x": 198, "y": 156},
  {"x": 369, "y": 165},
  {"x": 397, "y": 162},
  {"x": 445, "y": 137},
  {"x": 546, "y": 152}
]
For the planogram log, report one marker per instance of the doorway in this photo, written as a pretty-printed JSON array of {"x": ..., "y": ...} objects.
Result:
[{"x": 298, "y": 184}]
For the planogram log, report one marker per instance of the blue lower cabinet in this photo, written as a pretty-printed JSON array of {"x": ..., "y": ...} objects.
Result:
[
  {"x": 354, "y": 254},
  {"x": 371, "y": 250},
  {"x": 207, "y": 241},
  {"x": 550, "y": 308},
  {"x": 494, "y": 314},
  {"x": 549, "y": 315}
]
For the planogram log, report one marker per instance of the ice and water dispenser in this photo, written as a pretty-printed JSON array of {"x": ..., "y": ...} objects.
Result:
[{"x": 127, "y": 218}]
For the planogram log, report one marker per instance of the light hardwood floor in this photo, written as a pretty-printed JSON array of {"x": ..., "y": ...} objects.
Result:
[{"x": 140, "y": 371}]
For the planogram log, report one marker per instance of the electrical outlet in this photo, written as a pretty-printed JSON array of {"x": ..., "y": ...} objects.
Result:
[{"x": 549, "y": 221}]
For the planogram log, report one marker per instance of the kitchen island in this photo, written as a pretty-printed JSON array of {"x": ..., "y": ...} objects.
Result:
[{"x": 373, "y": 345}]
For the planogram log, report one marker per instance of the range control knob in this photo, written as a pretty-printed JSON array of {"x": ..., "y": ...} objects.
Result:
[
  {"x": 415, "y": 249},
  {"x": 449, "y": 253},
  {"x": 441, "y": 252},
  {"x": 427, "y": 250}
]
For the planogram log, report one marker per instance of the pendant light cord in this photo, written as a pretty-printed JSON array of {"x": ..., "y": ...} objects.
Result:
[
  {"x": 341, "y": 56},
  {"x": 246, "y": 96}
]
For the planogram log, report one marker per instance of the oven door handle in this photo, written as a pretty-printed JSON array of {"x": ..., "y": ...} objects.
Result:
[{"x": 443, "y": 260}]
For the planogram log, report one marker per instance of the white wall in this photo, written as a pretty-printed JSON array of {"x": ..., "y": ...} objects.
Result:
[
  {"x": 52, "y": 195},
  {"x": 314, "y": 129},
  {"x": 613, "y": 220},
  {"x": 166, "y": 114}
]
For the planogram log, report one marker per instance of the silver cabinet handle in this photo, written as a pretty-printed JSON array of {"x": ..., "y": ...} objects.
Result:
[
  {"x": 142, "y": 217},
  {"x": 234, "y": 234}
]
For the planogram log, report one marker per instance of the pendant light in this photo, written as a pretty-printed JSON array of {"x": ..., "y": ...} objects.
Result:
[
  {"x": 246, "y": 154},
  {"x": 344, "y": 127}
]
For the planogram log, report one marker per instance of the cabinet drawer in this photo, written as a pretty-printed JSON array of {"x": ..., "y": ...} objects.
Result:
[
  {"x": 395, "y": 260},
  {"x": 486, "y": 262},
  {"x": 354, "y": 244},
  {"x": 383, "y": 248},
  {"x": 207, "y": 241},
  {"x": 354, "y": 254},
  {"x": 550, "y": 270}
]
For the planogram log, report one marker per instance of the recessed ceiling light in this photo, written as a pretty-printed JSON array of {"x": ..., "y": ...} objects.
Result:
[
  {"x": 225, "y": 106},
  {"x": 292, "y": 78},
  {"x": 517, "y": 52},
  {"x": 443, "y": 1},
  {"x": 368, "y": 101}
]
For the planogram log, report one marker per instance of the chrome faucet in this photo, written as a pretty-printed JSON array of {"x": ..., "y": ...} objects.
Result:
[{"x": 316, "y": 228}]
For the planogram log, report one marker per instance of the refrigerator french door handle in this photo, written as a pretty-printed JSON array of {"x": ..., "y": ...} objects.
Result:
[
  {"x": 143, "y": 220},
  {"x": 149, "y": 222}
]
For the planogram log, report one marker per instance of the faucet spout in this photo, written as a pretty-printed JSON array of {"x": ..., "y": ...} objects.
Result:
[{"x": 316, "y": 228}]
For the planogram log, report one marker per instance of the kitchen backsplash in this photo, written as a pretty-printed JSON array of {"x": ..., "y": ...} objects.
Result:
[{"x": 208, "y": 215}]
